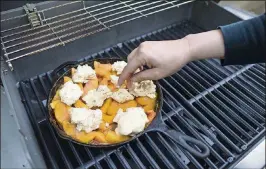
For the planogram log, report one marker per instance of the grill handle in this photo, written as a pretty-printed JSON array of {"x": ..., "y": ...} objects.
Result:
[
  {"x": 58, "y": 71},
  {"x": 183, "y": 141}
]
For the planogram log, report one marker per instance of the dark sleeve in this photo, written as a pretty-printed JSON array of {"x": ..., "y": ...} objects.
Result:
[{"x": 245, "y": 41}]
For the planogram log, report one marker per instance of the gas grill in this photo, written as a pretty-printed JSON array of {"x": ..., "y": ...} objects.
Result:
[{"x": 222, "y": 106}]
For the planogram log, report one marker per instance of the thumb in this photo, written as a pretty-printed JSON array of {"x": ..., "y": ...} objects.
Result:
[{"x": 148, "y": 74}]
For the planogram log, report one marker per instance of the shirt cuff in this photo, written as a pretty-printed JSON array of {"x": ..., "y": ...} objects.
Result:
[{"x": 232, "y": 44}]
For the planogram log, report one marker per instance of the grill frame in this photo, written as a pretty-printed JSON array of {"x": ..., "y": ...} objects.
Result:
[
  {"x": 182, "y": 103},
  {"x": 199, "y": 13}
]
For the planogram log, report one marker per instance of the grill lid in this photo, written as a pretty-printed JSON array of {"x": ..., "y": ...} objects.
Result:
[{"x": 221, "y": 106}]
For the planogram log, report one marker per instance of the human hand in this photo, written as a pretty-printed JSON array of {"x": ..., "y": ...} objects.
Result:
[{"x": 162, "y": 57}]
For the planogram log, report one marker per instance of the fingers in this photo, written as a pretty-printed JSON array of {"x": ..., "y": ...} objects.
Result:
[
  {"x": 130, "y": 56},
  {"x": 148, "y": 74},
  {"x": 129, "y": 70}
]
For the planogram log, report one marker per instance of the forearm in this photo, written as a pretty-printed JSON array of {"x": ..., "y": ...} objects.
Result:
[
  {"x": 245, "y": 41},
  {"x": 206, "y": 45},
  {"x": 238, "y": 43}
]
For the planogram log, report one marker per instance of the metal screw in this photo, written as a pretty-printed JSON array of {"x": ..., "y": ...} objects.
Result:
[
  {"x": 230, "y": 159},
  {"x": 244, "y": 147}
]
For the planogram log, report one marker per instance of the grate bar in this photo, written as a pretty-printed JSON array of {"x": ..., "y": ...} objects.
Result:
[
  {"x": 17, "y": 27},
  {"x": 251, "y": 91},
  {"x": 222, "y": 124},
  {"x": 170, "y": 2},
  {"x": 96, "y": 162},
  {"x": 192, "y": 130},
  {"x": 135, "y": 157},
  {"x": 36, "y": 93},
  {"x": 122, "y": 159},
  {"x": 16, "y": 17},
  {"x": 249, "y": 78},
  {"x": 255, "y": 70},
  {"x": 65, "y": 19},
  {"x": 240, "y": 93},
  {"x": 69, "y": 3},
  {"x": 158, "y": 152},
  {"x": 54, "y": 45},
  {"x": 260, "y": 68},
  {"x": 129, "y": 6},
  {"x": 114, "y": 50},
  {"x": 147, "y": 155},
  {"x": 225, "y": 138},
  {"x": 225, "y": 116},
  {"x": 172, "y": 152},
  {"x": 132, "y": 13},
  {"x": 213, "y": 152},
  {"x": 244, "y": 84},
  {"x": 252, "y": 78},
  {"x": 207, "y": 160},
  {"x": 84, "y": 7},
  {"x": 178, "y": 76},
  {"x": 75, "y": 153},
  {"x": 36, "y": 126},
  {"x": 251, "y": 94},
  {"x": 52, "y": 29},
  {"x": 225, "y": 106},
  {"x": 181, "y": 87},
  {"x": 250, "y": 118},
  {"x": 195, "y": 120},
  {"x": 65, "y": 34},
  {"x": 255, "y": 105},
  {"x": 256, "y": 76},
  {"x": 219, "y": 84},
  {"x": 176, "y": 127},
  {"x": 236, "y": 116},
  {"x": 169, "y": 7},
  {"x": 81, "y": 36},
  {"x": 109, "y": 161},
  {"x": 72, "y": 17}
]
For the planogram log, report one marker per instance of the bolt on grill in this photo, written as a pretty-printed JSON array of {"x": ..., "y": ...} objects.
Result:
[
  {"x": 20, "y": 39},
  {"x": 221, "y": 106}
]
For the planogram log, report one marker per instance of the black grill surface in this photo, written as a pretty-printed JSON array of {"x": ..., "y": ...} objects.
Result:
[{"x": 222, "y": 106}]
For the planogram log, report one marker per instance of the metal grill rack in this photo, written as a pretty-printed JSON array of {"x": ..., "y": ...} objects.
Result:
[
  {"x": 221, "y": 106},
  {"x": 21, "y": 39}
]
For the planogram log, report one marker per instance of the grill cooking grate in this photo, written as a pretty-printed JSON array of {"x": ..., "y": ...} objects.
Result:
[
  {"x": 20, "y": 39},
  {"x": 222, "y": 106}
]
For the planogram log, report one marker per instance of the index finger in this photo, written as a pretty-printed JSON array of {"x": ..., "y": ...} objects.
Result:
[{"x": 130, "y": 69}]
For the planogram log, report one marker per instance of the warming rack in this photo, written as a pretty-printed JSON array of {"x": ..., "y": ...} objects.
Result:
[{"x": 41, "y": 31}]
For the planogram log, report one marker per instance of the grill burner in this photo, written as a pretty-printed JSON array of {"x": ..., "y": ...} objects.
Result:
[{"x": 222, "y": 106}]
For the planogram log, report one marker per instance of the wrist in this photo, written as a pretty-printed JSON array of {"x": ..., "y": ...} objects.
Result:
[
  {"x": 190, "y": 52},
  {"x": 205, "y": 45}
]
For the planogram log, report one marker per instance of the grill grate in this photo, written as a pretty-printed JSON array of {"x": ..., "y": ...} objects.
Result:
[
  {"x": 222, "y": 106},
  {"x": 20, "y": 39}
]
